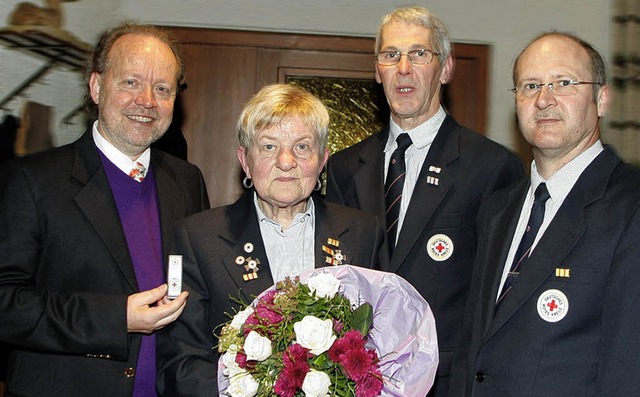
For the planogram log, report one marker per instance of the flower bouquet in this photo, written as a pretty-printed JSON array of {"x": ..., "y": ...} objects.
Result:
[{"x": 334, "y": 331}]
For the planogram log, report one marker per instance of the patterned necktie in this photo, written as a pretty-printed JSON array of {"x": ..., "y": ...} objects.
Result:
[
  {"x": 541, "y": 196},
  {"x": 393, "y": 187},
  {"x": 138, "y": 171}
]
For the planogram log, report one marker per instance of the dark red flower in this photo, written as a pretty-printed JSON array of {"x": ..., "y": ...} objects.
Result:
[
  {"x": 295, "y": 369},
  {"x": 351, "y": 340},
  {"x": 357, "y": 363},
  {"x": 370, "y": 386},
  {"x": 295, "y": 353}
]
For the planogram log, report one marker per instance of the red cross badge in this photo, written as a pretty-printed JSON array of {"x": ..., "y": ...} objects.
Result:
[
  {"x": 440, "y": 247},
  {"x": 553, "y": 305}
]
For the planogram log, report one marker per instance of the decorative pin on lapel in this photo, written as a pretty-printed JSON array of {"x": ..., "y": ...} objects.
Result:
[
  {"x": 250, "y": 264},
  {"x": 336, "y": 257},
  {"x": 433, "y": 168},
  {"x": 560, "y": 272},
  {"x": 432, "y": 180}
]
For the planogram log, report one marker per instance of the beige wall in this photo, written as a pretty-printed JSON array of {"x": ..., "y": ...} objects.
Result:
[{"x": 505, "y": 25}]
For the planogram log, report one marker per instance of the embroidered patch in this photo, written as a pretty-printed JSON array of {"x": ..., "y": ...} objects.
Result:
[
  {"x": 440, "y": 247},
  {"x": 552, "y": 305}
]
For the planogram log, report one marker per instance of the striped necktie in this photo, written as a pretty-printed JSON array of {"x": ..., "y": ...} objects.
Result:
[
  {"x": 393, "y": 187},
  {"x": 541, "y": 196}
]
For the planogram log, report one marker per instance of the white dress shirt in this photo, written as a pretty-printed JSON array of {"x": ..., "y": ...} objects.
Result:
[
  {"x": 119, "y": 159},
  {"x": 559, "y": 186},
  {"x": 290, "y": 251},
  {"x": 422, "y": 136}
]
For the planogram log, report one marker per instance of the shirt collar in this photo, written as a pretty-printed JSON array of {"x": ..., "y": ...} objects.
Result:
[
  {"x": 563, "y": 180},
  {"x": 421, "y": 136},
  {"x": 119, "y": 159},
  {"x": 308, "y": 213}
]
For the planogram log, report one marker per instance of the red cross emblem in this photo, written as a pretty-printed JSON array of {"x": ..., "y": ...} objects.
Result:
[
  {"x": 552, "y": 305},
  {"x": 440, "y": 247}
]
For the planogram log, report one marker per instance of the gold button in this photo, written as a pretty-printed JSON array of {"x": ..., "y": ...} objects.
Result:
[{"x": 129, "y": 372}]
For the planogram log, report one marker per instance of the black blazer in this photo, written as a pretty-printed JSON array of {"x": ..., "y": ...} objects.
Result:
[
  {"x": 590, "y": 253},
  {"x": 210, "y": 242},
  {"x": 471, "y": 168},
  {"x": 66, "y": 272}
]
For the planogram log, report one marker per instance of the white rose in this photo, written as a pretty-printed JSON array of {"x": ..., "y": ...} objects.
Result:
[
  {"x": 257, "y": 347},
  {"x": 239, "y": 319},
  {"x": 316, "y": 384},
  {"x": 325, "y": 285},
  {"x": 242, "y": 385},
  {"x": 231, "y": 367},
  {"x": 314, "y": 334}
]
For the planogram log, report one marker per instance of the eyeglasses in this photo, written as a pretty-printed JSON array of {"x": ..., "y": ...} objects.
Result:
[
  {"x": 416, "y": 57},
  {"x": 558, "y": 87}
]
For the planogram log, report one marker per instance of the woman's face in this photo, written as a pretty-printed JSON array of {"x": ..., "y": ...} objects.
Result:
[{"x": 284, "y": 162}]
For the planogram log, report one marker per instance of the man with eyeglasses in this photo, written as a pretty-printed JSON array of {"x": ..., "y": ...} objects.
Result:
[
  {"x": 557, "y": 309},
  {"x": 434, "y": 189}
]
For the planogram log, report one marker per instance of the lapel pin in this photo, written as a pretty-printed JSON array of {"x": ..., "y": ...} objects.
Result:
[
  {"x": 566, "y": 273},
  {"x": 440, "y": 247},
  {"x": 433, "y": 168},
  {"x": 432, "y": 180},
  {"x": 335, "y": 256},
  {"x": 250, "y": 264}
]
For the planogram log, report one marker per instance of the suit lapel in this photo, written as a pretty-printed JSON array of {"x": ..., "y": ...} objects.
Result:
[
  {"x": 96, "y": 202},
  {"x": 559, "y": 239},
  {"x": 500, "y": 230},
  {"x": 170, "y": 198},
  {"x": 369, "y": 179},
  {"x": 243, "y": 229},
  {"x": 428, "y": 196},
  {"x": 329, "y": 225}
]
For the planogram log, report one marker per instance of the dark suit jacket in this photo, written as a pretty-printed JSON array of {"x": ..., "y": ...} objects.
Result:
[
  {"x": 210, "y": 242},
  {"x": 66, "y": 272},
  {"x": 594, "y": 241},
  {"x": 472, "y": 167}
]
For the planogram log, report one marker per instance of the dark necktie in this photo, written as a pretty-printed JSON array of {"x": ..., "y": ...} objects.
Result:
[
  {"x": 541, "y": 196},
  {"x": 393, "y": 187}
]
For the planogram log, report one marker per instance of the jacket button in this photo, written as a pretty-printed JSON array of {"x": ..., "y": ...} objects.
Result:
[
  {"x": 129, "y": 372},
  {"x": 480, "y": 376}
]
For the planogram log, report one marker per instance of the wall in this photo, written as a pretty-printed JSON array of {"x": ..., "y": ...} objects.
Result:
[{"x": 505, "y": 25}]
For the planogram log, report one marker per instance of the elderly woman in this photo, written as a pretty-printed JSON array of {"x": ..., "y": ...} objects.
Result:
[{"x": 276, "y": 229}]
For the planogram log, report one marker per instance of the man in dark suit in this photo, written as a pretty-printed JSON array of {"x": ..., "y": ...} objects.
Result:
[
  {"x": 84, "y": 237},
  {"x": 450, "y": 171},
  {"x": 560, "y": 319}
]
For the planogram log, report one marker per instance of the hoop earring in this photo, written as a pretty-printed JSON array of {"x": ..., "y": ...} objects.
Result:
[
  {"x": 247, "y": 182},
  {"x": 318, "y": 185}
]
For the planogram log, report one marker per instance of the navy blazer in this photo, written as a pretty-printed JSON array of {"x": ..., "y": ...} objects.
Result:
[
  {"x": 66, "y": 272},
  {"x": 210, "y": 242},
  {"x": 468, "y": 168},
  {"x": 590, "y": 252}
]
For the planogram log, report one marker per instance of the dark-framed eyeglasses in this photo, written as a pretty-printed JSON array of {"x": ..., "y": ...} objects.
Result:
[
  {"x": 416, "y": 57},
  {"x": 559, "y": 87}
]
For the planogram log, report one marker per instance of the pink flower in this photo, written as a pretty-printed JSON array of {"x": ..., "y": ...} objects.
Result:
[
  {"x": 338, "y": 326},
  {"x": 295, "y": 353},
  {"x": 267, "y": 316}
]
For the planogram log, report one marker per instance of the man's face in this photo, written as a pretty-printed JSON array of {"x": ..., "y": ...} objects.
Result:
[
  {"x": 413, "y": 91},
  {"x": 135, "y": 95},
  {"x": 558, "y": 127}
]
